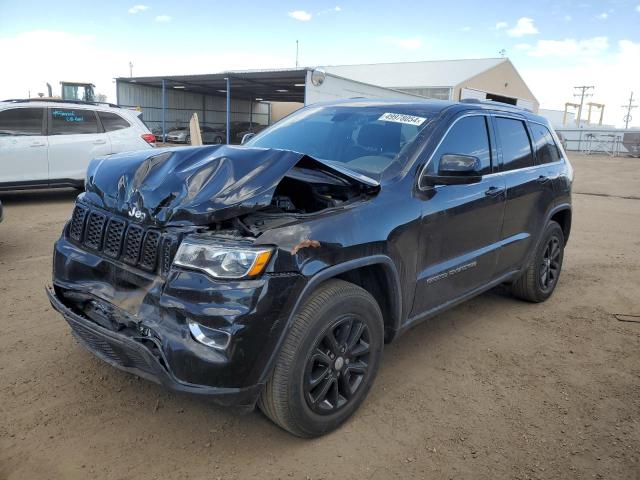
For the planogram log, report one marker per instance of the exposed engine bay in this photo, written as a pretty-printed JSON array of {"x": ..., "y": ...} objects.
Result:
[{"x": 302, "y": 192}]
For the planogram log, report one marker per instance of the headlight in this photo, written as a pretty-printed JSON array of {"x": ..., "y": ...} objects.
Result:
[{"x": 221, "y": 261}]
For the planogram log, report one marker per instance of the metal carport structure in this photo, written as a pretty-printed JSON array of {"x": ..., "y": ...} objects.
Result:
[{"x": 250, "y": 86}]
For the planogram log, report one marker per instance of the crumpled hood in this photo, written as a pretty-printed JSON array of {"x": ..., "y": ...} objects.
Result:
[{"x": 196, "y": 185}]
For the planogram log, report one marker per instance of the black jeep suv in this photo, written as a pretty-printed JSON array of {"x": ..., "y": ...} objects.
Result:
[{"x": 274, "y": 272}]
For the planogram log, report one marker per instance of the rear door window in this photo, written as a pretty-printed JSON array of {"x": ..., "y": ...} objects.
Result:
[
  {"x": 69, "y": 121},
  {"x": 111, "y": 121},
  {"x": 468, "y": 136},
  {"x": 545, "y": 146},
  {"x": 516, "y": 148},
  {"x": 21, "y": 121}
]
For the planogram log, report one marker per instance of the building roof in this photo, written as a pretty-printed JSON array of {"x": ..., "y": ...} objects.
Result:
[
  {"x": 279, "y": 85},
  {"x": 436, "y": 73}
]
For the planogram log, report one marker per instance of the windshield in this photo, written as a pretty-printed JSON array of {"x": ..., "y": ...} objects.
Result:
[{"x": 365, "y": 138}]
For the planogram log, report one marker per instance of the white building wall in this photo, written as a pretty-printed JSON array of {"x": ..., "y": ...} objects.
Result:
[{"x": 335, "y": 88}]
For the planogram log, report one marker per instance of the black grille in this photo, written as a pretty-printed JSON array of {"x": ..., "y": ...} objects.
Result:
[
  {"x": 113, "y": 238},
  {"x": 150, "y": 250},
  {"x": 132, "y": 244},
  {"x": 77, "y": 222},
  {"x": 112, "y": 351},
  {"x": 121, "y": 240},
  {"x": 94, "y": 230}
]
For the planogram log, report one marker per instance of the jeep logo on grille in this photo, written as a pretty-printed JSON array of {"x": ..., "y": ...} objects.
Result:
[{"x": 136, "y": 213}]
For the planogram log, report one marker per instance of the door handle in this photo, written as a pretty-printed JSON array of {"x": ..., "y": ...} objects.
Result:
[
  {"x": 542, "y": 179},
  {"x": 494, "y": 191},
  {"x": 99, "y": 142},
  {"x": 38, "y": 144}
]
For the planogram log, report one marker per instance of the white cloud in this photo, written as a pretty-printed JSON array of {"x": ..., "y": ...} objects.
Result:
[
  {"x": 163, "y": 18},
  {"x": 405, "y": 43},
  {"x": 465, "y": 29},
  {"x": 524, "y": 26},
  {"x": 569, "y": 47},
  {"x": 501, "y": 25},
  {"x": 138, "y": 8},
  {"x": 638, "y": 8},
  {"x": 602, "y": 16},
  {"x": 301, "y": 15},
  {"x": 568, "y": 18},
  {"x": 335, "y": 9}
]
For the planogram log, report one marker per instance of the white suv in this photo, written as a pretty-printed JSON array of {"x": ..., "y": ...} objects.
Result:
[{"x": 50, "y": 143}]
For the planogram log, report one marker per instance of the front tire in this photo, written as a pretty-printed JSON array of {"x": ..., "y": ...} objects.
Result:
[
  {"x": 541, "y": 276},
  {"x": 328, "y": 361}
]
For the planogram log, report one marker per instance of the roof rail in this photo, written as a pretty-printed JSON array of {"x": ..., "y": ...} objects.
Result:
[
  {"x": 58, "y": 100},
  {"x": 491, "y": 102}
]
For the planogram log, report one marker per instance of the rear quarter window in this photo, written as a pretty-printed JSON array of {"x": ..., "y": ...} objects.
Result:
[
  {"x": 111, "y": 121},
  {"x": 545, "y": 146}
]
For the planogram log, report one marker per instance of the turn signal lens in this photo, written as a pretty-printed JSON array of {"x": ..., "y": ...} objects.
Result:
[{"x": 260, "y": 263}]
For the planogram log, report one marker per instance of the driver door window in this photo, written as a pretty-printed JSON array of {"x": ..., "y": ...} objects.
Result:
[{"x": 468, "y": 136}]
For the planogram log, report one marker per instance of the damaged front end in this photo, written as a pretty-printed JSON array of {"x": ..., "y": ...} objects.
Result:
[{"x": 183, "y": 266}]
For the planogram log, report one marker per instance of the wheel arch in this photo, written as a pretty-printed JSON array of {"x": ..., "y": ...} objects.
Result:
[
  {"x": 562, "y": 216},
  {"x": 368, "y": 273}
]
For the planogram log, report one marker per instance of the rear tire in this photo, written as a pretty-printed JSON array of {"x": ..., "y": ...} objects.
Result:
[
  {"x": 543, "y": 272},
  {"x": 311, "y": 364}
]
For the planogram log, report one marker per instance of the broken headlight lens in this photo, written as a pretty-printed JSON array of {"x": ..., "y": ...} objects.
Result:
[{"x": 221, "y": 261}]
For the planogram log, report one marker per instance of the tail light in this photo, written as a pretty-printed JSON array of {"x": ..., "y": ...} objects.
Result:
[{"x": 149, "y": 138}]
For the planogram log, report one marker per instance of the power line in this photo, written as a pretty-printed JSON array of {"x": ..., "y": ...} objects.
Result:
[
  {"x": 627, "y": 118},
  {"x": 582, "y": 93}
]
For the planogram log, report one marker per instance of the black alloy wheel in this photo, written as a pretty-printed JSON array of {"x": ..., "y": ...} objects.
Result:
[
  {"x": 327, "y": 362},
  {"x": 540, "y": 277},
  {"x": 550, "y": 265},
  {"x": 337, "y": 365}
]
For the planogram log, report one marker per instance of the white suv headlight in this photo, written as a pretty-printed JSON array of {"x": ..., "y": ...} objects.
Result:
[{"x": 221, "y": 261}]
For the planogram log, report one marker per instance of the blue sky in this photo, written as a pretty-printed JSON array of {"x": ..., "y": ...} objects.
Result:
[{"x": 555, "y": 44}]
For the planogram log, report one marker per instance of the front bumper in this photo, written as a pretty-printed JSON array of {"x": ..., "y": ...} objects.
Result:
[
  {"x": 153, "y": 340},
  {"x": 128, "y": 353}
]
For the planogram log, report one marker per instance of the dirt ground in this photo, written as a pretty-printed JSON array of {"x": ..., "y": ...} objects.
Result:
[{"x": 495, "y": 388}]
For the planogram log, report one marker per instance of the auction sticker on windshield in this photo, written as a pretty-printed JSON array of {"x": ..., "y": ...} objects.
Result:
[{"x": 402, "y": 118}]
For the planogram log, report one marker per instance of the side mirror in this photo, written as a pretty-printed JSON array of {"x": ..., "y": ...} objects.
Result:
[
  {"x": 246, "y": 137},
  {"x": 454, "y": 170}
]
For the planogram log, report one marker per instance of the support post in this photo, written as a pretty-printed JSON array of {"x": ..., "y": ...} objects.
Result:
[
  {"x": 251, "y": 114},
  {"x": 164, "y": 107},
  {"x": 228, "y": 110}
]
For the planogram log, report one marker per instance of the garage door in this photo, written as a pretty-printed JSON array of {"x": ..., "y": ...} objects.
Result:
[{"x": 472, "y": 93}]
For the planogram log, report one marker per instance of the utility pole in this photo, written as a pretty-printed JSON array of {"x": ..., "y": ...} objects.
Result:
[
  {"x": 627, "y": 118},
  {"x": 296, "y": 53},
  {"x": 130, "y": 69},
  {"x": 582, "y": 93}
]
